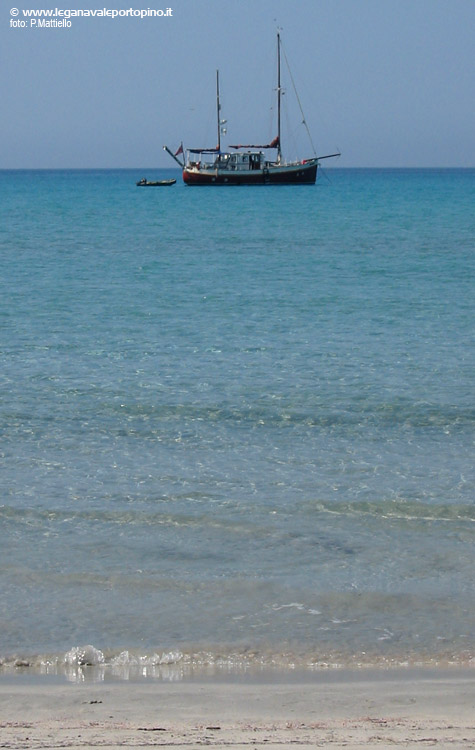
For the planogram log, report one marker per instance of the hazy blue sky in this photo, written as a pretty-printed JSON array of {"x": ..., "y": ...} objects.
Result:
[{"x": 388, "y": 82}]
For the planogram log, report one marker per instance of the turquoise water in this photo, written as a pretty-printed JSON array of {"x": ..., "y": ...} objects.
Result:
[{"x": 237, "y": 424}]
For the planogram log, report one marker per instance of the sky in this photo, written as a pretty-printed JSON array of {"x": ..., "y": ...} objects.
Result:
[{"x": 389, "y": 83}]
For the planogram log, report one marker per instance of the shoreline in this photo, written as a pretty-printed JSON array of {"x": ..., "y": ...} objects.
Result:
[
  {"x": 381, "y": 708},
  {"x": 224, "y": 660},
  {"x": 255, "y": 674},
  {"x": 88, "y": 665}
]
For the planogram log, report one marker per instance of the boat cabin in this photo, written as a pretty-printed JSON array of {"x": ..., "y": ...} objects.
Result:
[{"x": 238, "y": 162}]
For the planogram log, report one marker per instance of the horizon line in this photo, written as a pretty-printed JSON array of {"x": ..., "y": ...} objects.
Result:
[{"x": 176, "y": 169}]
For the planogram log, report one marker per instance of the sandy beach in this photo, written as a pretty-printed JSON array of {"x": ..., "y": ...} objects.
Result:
[{"x": 389, "y": 710}]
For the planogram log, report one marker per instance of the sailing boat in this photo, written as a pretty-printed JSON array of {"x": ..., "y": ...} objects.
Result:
[{"x": 248, "y": 164}]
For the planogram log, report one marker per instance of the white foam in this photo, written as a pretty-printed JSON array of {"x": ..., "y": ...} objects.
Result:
[{"x": 80, "y": 656}]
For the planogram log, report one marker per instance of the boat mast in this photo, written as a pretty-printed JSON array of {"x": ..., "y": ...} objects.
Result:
[
  {"x": 218, "y": 110},
  {"x": 278, "y": 98}
]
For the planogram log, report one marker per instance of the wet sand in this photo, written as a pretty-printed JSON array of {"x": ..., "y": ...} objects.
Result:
[{"x": 389, "y": 710}]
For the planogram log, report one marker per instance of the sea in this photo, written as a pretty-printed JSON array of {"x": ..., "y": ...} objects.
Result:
[{"x": 236, "y": 423}]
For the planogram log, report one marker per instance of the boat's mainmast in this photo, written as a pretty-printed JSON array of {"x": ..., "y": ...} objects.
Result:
[
  {"x": 218, "y": 110},
  {"x": 279, "y": 90}
]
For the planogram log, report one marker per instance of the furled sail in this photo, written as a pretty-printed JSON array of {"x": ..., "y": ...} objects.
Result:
[{"x": 272, "y": 144}]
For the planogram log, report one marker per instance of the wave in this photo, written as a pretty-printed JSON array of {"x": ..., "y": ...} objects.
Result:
[
  {"x": 220, "y": 515},
  {"x": 121, "y": 418},
  {"x": 38, "y": 516},
  {"x": 408, "y": 510},
  {"x": 91, "y": 664}
]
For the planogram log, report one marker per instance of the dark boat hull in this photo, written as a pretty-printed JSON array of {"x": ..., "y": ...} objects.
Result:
[
  {"x": 158, "y": 183},
  {"x": 295, "y": 174}
]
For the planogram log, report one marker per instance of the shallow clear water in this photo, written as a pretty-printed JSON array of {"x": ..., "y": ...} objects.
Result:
[{"x": 237, "y": 423}]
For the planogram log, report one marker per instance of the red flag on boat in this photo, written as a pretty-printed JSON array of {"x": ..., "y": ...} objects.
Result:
[{"x": 180, "y": 150}]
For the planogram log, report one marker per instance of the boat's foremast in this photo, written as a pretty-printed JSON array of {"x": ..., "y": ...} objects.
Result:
[{"x": 218, "y": 111}]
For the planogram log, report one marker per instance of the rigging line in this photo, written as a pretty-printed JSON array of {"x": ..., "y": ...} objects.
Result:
[
  {"x": 324, "y": 173},
  {"x": 304, "y": 121},
  {"x": 291, "y": 131}
]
